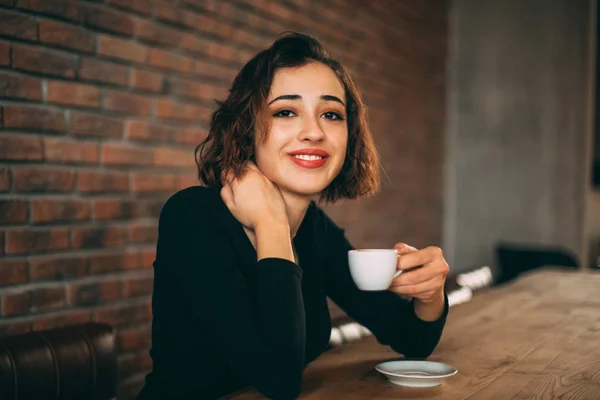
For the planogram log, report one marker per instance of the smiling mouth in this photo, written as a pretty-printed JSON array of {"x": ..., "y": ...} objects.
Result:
[
  {"x": 310, "y": 161},
  {"x": 307, "y": 157}
]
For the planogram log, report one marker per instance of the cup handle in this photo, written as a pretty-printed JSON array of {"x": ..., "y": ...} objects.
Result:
[{"x": 399, "y": 271}]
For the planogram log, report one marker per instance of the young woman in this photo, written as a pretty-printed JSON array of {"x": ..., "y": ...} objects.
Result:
[{"x": 244, "y": 263}]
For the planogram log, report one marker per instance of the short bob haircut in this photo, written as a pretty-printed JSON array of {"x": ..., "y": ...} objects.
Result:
[{"x": 230, "y": 142}]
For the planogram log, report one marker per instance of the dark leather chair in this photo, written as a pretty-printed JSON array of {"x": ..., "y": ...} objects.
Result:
[
  {"x": 76, "y": 362},
  {"x": 514, "y": 259}
]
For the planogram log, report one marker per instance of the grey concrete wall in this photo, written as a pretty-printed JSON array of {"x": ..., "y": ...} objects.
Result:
[{"x": 516, "y": 129}]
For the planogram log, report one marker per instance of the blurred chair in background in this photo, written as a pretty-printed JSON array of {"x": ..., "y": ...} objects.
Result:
[{"x": 514, "y": 259}]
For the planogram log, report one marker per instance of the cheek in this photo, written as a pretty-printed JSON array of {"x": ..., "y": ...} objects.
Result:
[
  {"x": 262, "y": 157},
  {"x": 267, "y": 155}
]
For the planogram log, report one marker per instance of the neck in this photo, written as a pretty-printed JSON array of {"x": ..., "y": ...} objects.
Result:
[{"x": 295, "y": 207}]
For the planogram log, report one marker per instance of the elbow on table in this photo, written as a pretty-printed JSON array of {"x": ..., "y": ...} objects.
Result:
[{"x": 420, "y": 345}]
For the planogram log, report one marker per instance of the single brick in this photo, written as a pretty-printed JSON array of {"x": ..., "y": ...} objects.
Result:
[
  {"x": 18, "y": 25},
  {"x": 31, "y": 179},
  {"x": 51, "y": 210},
  {"x": 146, "y": 80},
  {"x": 97, "y": 125},
  {"x": 103, "y": 71},
  {"x": 102, "y": 181},
  {"x": 151, "y": 182},
  {"x": 76, "y": 94},
  {"x": 127, "y": 103},
  {"x": 114, "y": 47},
  {"x": 13, "y": 272},
  {"x": 13, "y": 212},
  {"x": 65, "y": 35},
  {"x": 70, "y": 151},
  {"x": 191, "y": 136},
  {"x": 34, "y": 118},
  {"x": 44, "y": 61},
  {"x": 20, "y": 147},
  {"x": 125, "y": 155},
  {"x": 165, "y": 157},
  {"x": 19, "y": 87},
  {"x": 170, "y": 61}
]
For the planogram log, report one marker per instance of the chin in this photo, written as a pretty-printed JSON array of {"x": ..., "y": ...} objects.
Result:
[{"x": 306, "y": 189}]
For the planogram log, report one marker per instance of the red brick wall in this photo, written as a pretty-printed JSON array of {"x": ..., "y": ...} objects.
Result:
[{"x": 102, "y": 103}]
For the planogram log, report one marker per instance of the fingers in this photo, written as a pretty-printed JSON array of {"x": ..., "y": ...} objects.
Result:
[
  {"x": 424, "y": 272},
  {"x": 419, "y": 258},
  {"x": 420, "y": 289},
  {"x": 403, "y": 248},
  {"x": 416, "y": 276},
  {"x": 230, "y": 178}
]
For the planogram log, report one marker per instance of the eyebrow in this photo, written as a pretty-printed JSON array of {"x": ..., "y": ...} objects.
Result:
[{"x": 326, "y": 97}]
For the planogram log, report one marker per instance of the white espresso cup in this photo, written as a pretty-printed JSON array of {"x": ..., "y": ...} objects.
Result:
[{"x": 373, "y": 269}]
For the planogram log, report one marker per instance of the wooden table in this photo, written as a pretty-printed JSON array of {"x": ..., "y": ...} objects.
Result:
[{"x": 536, "y": 337}]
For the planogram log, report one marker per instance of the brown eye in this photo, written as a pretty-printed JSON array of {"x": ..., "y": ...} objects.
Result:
[
  {"x": 333, "y": 116},
  {"x": 284, "y": 114}
]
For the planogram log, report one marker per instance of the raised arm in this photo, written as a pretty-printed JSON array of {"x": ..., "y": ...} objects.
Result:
[
  {"x": 390, "y": 317},
  {"x": 266, "y": 307}
]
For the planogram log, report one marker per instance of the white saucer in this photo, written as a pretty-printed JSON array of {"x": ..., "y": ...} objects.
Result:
[{"x": 415, "y": 373}]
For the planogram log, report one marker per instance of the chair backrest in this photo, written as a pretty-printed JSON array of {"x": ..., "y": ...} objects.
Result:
[
  {"x": 514, "y": 259},
  {"x": 76, "y": 362}
]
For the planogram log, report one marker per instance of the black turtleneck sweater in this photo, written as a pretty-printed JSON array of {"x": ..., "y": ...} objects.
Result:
[{"x": 223, "y": 321}]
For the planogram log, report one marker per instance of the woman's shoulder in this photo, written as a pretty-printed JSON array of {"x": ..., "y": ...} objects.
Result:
[{"x": 192, "y": 203}]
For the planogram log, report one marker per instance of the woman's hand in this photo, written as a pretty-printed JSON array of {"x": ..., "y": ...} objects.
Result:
[
  {"x": 253, "y": 199},
  {"x": 257, "y": 203},
  {"x": 423, "y": 277}
]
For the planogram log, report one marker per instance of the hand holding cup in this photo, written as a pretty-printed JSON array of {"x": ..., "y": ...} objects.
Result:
[{"x": 423, "y": 273}]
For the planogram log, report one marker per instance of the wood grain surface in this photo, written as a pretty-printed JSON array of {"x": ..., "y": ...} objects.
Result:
[{"x": 538, "y": 337}]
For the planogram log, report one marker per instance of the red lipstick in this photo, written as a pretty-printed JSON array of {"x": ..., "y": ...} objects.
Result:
[{"x": 309, "y": 158}]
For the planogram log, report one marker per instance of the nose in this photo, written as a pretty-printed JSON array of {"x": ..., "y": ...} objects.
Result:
[{"x": 312, "y": 130}]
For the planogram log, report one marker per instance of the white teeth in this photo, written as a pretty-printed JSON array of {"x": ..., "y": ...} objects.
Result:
[{"x": 307, "y": 157}]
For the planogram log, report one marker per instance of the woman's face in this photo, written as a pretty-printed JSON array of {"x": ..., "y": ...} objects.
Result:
[{"x": 307, "y": 131}]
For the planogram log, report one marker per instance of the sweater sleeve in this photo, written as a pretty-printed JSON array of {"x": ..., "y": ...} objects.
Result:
[
  {"x": 390, "y": 317},
  {"x": 260, "y": 324}
]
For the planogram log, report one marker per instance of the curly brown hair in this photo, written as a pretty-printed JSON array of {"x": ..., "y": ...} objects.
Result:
[{"x": 229, "y": 144}]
